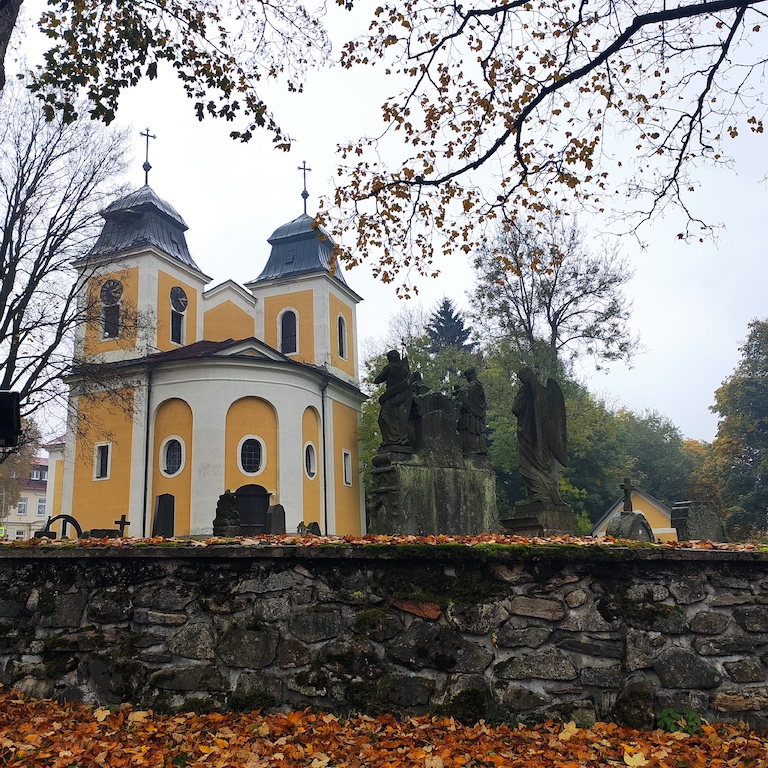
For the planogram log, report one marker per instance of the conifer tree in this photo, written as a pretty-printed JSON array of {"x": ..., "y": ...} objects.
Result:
[{"x": 446, "y": 329}]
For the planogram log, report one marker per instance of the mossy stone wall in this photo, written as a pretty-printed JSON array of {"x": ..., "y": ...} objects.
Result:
[{"x": 519, "y": 633}]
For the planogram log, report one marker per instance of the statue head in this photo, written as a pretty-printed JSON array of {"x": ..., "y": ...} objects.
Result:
[
  {"x": 525, "y": 375},
  {"x": 393, "y": 356},
  {"x": 470, "y": 374}
]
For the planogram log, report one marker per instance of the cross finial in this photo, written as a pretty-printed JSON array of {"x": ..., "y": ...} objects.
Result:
[
  {"x": 303, "y": 168},
  {"x": 627, "y": 487},
  {"x": 147, "y": 167}
]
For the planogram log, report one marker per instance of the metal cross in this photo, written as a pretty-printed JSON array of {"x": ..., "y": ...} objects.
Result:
[
  {"x": 303, "y": 168},
  {"x": 122, "y": 524},
  {"x": 147, "y": 167},
  {"x": 627, "y": 487}
]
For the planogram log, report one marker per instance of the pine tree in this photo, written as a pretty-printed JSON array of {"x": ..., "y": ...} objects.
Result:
[{"x": 446, "y": 329}]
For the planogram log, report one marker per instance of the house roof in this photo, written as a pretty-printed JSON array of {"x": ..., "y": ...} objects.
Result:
[
  {"x": 619, "y": 504},
  {"x": 143, "y": 219},
  {"x": 300, "y": 247}
]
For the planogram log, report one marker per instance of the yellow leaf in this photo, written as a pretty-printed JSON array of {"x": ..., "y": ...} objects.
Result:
[
  {"x": 320, "y": 761},
  {"x": 263, "y": 730},
  {"x": 221, "y": 743},
  {"x": 206, "y": 750},
  {"x": 101, "y": 714},
  {"x": 138, "y": 717},
  {"x": 433, "y": 761},
  {"x": 568, "y": 730},
  {"x": 638, "y": 759}
]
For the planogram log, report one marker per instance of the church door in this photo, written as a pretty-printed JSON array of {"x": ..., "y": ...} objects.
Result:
[{"x": 252, "y": 502}]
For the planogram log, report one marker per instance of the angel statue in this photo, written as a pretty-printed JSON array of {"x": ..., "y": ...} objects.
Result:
[{"x": 541, "y": 436}]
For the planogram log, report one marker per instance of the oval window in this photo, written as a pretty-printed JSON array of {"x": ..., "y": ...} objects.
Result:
[
  {"x": 250, "y": 455},
  {"x": 172, "y": 457},
  {"x": 310, "y": 461}
]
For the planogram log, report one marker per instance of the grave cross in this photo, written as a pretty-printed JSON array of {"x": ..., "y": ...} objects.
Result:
[
  {"x": 627, "y": 488},
  {"x": 122, "y": 524}
]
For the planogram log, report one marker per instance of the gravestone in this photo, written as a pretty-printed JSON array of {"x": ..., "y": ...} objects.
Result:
[
  {"x": 697, "y": 521},
  {"x": 163, "y": 521},
  {"x": 227, "y": 521},
  {"x": 629, "y": 525},
  {"x": 276, "y": 519}
]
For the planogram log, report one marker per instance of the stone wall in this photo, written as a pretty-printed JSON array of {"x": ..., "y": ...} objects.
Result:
[{"x": 497, "y": 632}]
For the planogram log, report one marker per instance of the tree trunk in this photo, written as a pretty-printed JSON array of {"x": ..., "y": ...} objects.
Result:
[{"x": 9, "y": 13}]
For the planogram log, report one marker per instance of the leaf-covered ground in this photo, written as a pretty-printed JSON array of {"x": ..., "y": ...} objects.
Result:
[
  {"x": 314, "y": 541},
  {"x": 44, "y": 733}
]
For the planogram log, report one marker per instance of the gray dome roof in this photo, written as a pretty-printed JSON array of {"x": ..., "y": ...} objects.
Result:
[
  {"x": 139, "y": 219},
  {"x": 299, "y": 247}
]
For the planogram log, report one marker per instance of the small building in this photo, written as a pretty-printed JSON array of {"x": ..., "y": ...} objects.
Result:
[
  {"x": 30, "y": 514},
  {"x": 658, "y": 515}
]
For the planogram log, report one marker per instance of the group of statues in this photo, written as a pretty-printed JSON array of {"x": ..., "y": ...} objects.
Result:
[
  {"x": 540, "y": 412},
  {"x": 397, "y": 401}
]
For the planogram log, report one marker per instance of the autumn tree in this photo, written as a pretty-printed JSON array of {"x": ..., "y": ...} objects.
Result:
[
  {"x": 741, "y": 443},
  {"x": 54, "y": 180},
  {"x": 16, "y": 467},
  {"x": 510, "y": 110},
  {"x": 551, "y": 298}
]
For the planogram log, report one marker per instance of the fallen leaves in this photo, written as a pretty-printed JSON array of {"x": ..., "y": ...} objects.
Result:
[{"x": 44, "y": 733}]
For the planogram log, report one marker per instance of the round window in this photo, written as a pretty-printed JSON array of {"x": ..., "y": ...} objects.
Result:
[
  {"x": 310, "y": 461},
  {"x": 173, "y": 457},
  {"x": 250, "y": 455}
]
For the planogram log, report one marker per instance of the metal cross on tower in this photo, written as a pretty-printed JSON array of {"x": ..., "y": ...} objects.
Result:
[
  {"x": 303, "y": 168},
  {"x": 147, "y": 167}
]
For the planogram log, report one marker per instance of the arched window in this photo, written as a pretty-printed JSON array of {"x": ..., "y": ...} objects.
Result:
[
  {"x": 252, "y": 455},
  {"x": 342, "y": 327},
  {"x": 111, "y": 300},
  {"x": 288, "y": 332},
  {"x": 172, "y": 456},
  {"x": 310, "y": 461},
  {"x": 179, "y": 303}
]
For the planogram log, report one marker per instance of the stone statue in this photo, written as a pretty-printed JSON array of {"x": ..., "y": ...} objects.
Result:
[
  {"x": 541, "y": 436},
  {"x": 227, "y": 521},
  {"x": 395, "y": 403},
  {"x": 470, "y": 398}
]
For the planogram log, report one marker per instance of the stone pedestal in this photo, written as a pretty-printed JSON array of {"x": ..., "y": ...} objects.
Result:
[
  {"x": 414, "y": 498},
  {"x": 552, "y": 519},
  {"x": 629, "y": 525}
]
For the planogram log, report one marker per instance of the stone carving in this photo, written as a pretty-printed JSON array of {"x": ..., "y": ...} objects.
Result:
[
  {"x": 470, "y": 397},
  {"x": 227, "y": 521},
  {"x": 628, "y": 524},
  {"x": 541, "y": 436},
  {"x": 395, "y": 403}
]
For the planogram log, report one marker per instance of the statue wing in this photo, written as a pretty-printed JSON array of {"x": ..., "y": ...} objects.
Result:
[{"x": 554, "y": 426}]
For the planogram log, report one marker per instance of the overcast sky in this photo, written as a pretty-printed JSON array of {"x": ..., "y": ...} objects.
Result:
[{"x": 691, "y": 303}]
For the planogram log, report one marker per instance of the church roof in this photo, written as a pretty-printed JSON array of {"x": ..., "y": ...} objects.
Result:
[
  {"x": 140, "y": 219},
  {"x": 299, "y": 247}
]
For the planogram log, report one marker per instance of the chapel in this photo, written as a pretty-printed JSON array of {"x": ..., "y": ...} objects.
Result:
[{"x": 181, "y": 392}]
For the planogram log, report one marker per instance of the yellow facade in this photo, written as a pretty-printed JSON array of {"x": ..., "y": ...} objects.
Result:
[
  {"x": 345, "y": 423},
  {"x": 164, "y": 284},
  {"x": 174, "y": 419},
  {"x": 339, "y": 308},
  {"x": 227, "y": 321},
  {"x": 97, "y": 502},
  {"x": 94, "y": 343},
  {"x": 313, "y": 499},
  {"x": 657, "y": 518},
  {"x": 302, "y": 302},
  {"x": 251, "y": 416}
]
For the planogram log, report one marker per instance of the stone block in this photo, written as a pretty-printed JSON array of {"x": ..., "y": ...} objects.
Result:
[
  {"x": 194, "y": 641},
  {"x": 110, "y": 607},
  {"x": 724, "y": 645},
  {"x": 745, "y": 700},
  {"x": 293, "y": 654},
  {"x": 709, "y": 623},
  {"x": 537, "y": 607},
  {"x": 164, "y": 598},
  {"x": 547, "y": 665},
  {"x": 477, "y": 619},
  {"x": 518, "y": 698},
  {"x": 745, "y": 670},
  {"x": 529, "y": 637},
  {"x": 681, "y": 668},
  {"x": 427, "y": 645},
  {"x": 688, "y": 591},
  {"x": 251, "y": 649},
  {"x": 752, "y": 619},
  {"x": 67, "y": 610},
  {"x": 198, "y": 678},
  {"x": 316, "y": 624},
  {"x": 603, "y": 677}
]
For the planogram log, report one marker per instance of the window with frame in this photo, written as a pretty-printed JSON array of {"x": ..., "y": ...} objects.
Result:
[
  {"x": 35, "y": 474},
  {"x": 288, "y": 339},
  {"x": 101, "y": 462},
  {"x": 251, "y": 456},
  {"x": 179, "y": 304},
  {"x": 45, "y": 474},
  {"x": 346, "y": 461},
  {"x": 310, "y": 461},
  {"x": 41, "y": 507},
  {"x": 342, "y": 332},
  {"x": 111, "y": 302},
  {"x": 21, "y": 534},
  {"x": 21, "y": 507},
  {"x": 173, "y": 456}
]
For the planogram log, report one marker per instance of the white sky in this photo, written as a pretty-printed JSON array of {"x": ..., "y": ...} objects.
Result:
[{"x": 692, "y": 302}]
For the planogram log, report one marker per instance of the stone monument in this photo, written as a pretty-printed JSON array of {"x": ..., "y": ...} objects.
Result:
[
  {"x": 697, "y": 521},
  {"x": 227, "y": 521},
  {"x": 432, "y": 474},
  {"x": 541, "y": 447},
  {"x": 629, "y": 524}
]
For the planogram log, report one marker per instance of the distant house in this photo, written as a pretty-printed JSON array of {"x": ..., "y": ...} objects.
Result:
[
  {"x": 30, "y": 514},
  {"x": 658, "y": 515}
]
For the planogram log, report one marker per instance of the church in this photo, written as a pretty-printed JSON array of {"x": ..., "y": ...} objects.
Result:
[{"x": 180, "y": 392}]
